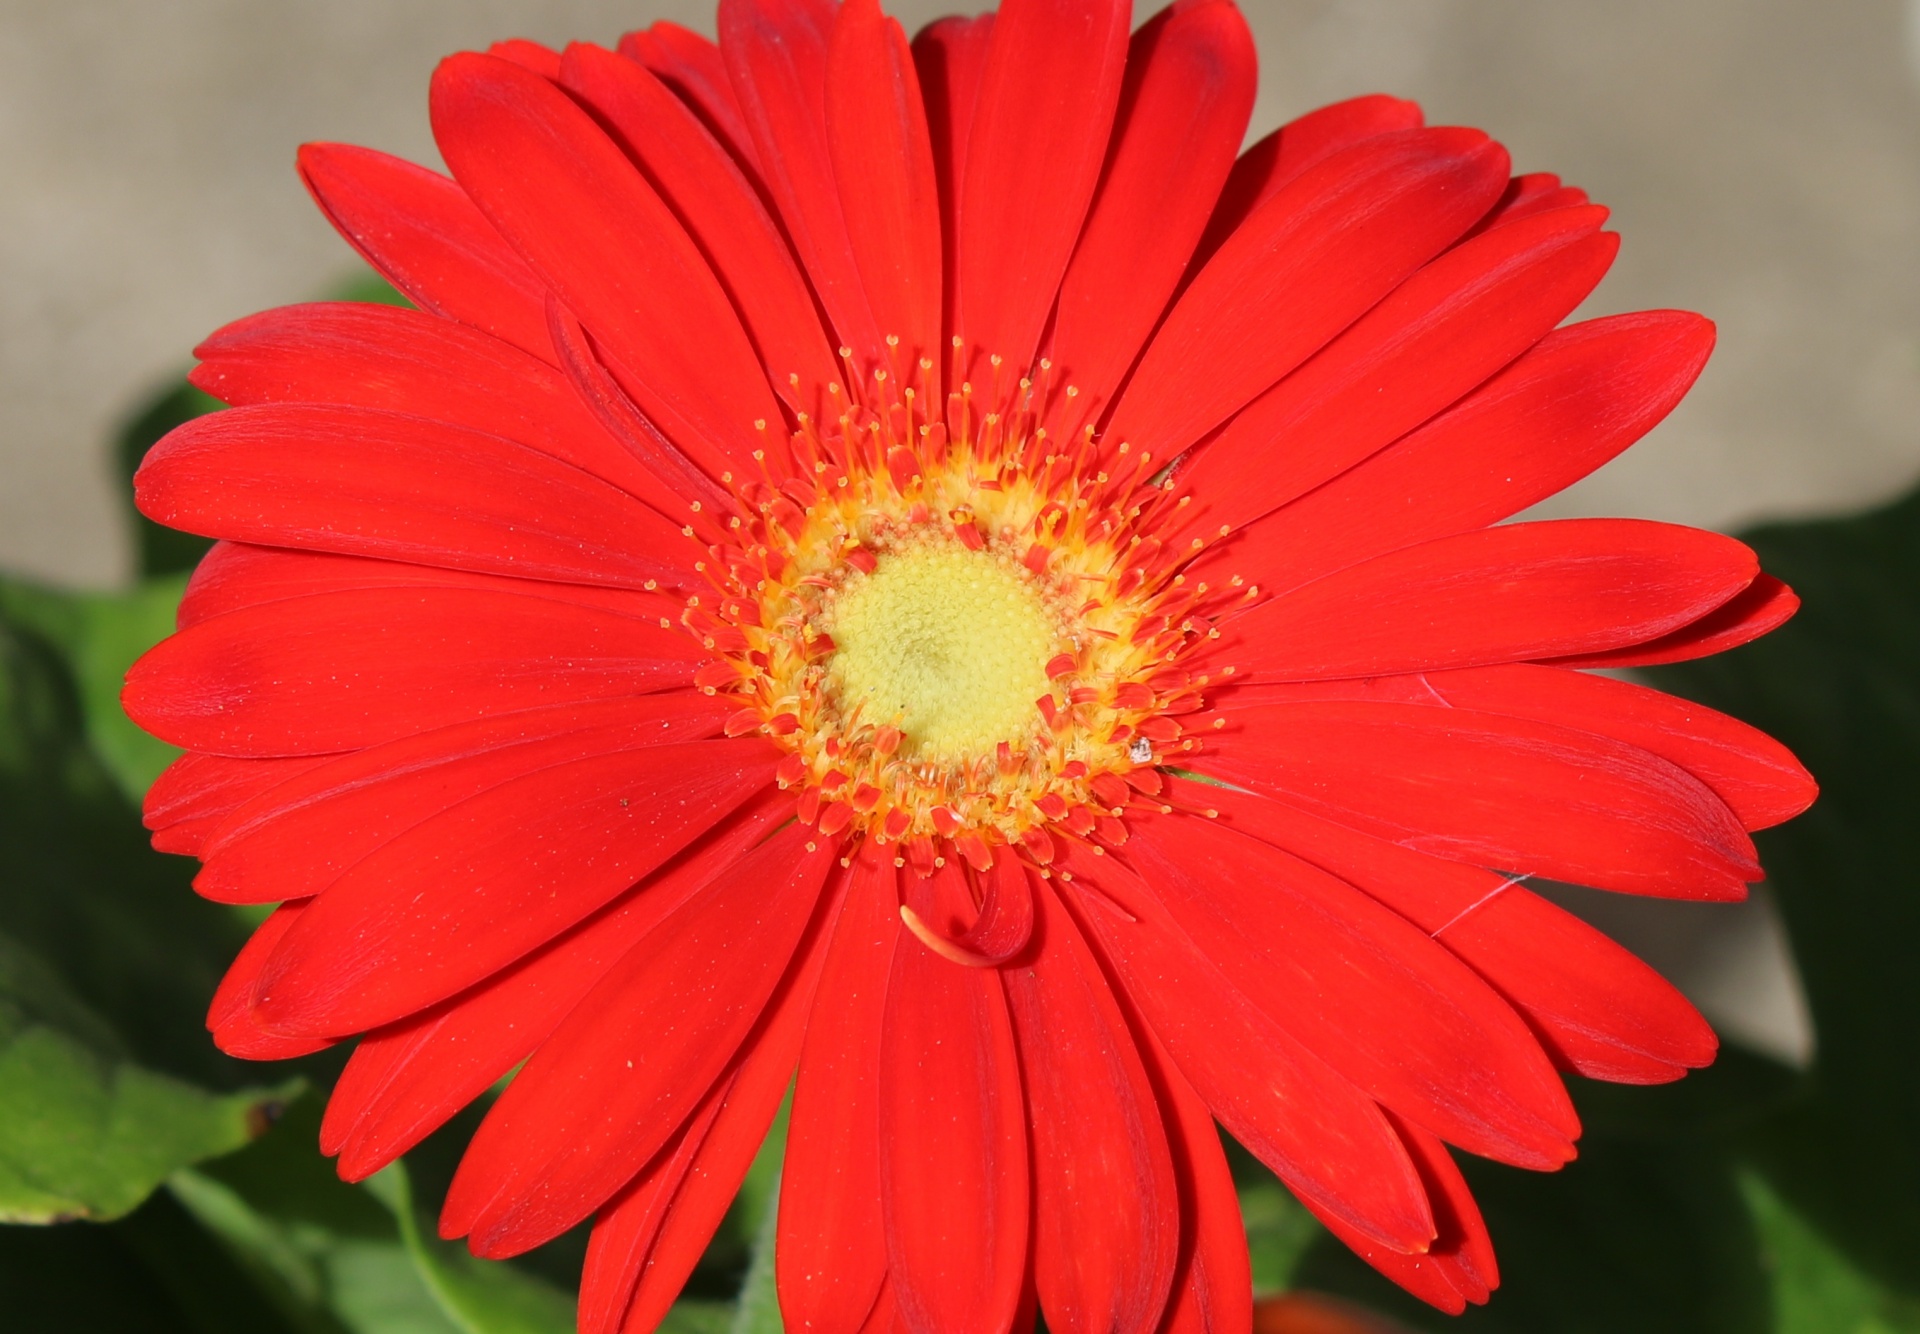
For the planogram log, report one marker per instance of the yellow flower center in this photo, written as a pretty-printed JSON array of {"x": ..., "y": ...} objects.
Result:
[
  {"x": 946, "y": 644},
  {"x": 957, "y": 628}
]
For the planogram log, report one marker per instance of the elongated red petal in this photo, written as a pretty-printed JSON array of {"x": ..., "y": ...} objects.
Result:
[
  {"x": 1762, "y": 607},
  {"x": 1034, "y": 152},
  {"x": 1213, "y": 1286},
  {"x": 1183, "y": 110},
  {"x": 339, "y": 671},
  {"x": 297, "y": 838},
  {"x": 1500, "y": 792},
  {"x": 1438, "y": 335},
  {"x": 1568, "y": 406},
  {"x": 230, "y": 1018},
  {"x": 422, "y": 232},
  {"x": 634, "y": 1059},
  {"x": 405, "y": 1080},
  {"x": 1755, "y": 775},
  {"x": 236, "y": 575},
  {"x": 1320, "y": 1134},
  {"x": 466, "y": 892},
  {"x": 883, "y": 162},
  {"x": 1597, "y": 1009},
  {"x": 951, "y": 55},
  {"x": 1106, "y": 1206},
  {"x": 1459, "y": 1268},
  {"x": 693, "y": 68},
  {"x": 707, "y": 191},
  {"x": 831, "y": 1254},
  {"x": 588, "y": 222},
  {"x": 367, "y": 356},
  {"x": 1323, "y": 250},
  {"x": 1523, "y": 590},
  {"x": 776, "y": 54},
  {"x": 1283, "y": 155},
  {"x": 647, "y": 1240},
  {"x": 1370, "y": 993},
  {"x": 387, "y": 484},
  {"x": 196, "y": 792},
  {"x": 954, "y": 1184}
]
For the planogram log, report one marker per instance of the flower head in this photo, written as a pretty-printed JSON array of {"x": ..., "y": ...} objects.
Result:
[{"x": 921, "y": 565}]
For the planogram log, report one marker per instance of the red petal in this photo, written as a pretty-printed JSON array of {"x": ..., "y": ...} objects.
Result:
[
  {"x": 1755, "y": 775},
  {"x": 542, "y": 60},
  {"x": 368, "y": 356},
  {"x": 1280, "y": 158},
  {"x": 647, "y": 1240},
  {"x": 1034, "y": 152},
  {"x": 1529, "y": 196},
  {"x": 1319, "y": 1134},
  {"x": 298, "y": 838},
  {"x": 1598, "y": 1009},
  {"x": 1442, "y": 332},
  {"x": 953, "y": 1146},
  {"x": 1574, "y": 402},
  {"x": 1367, "y": 991},
  {"x": 951, "y": 56},
  {"x": 386, "y": 484},
  {"x": 339, "y": 671},
  {"x": 1503, "y": 792},
  {"x": 424, "y": 235},
  {"x": 569, "y": 200},
  {"x": 1524, "y": 590},
  {"x": 831, "y": 1252},
  {"x": 692, "y": 66},
  {"x": 1761, "y": 608},
  {"x": 719, "y": 209},
  {"x": 776, "y": 53},
  {"x": 196, "y": 792},
  {"x": 1106, "y": 1207},
  {"x": 237, "y": 575},
  {"x": 1459, "y": 1268},
  {"x": 883, "y": 161},
  {"x": 405, "y": 1080},
  {"x": 468, "y": 891},
  {"x": 1322, "y": 250},
  {"x": 230, "y": 1018},
  {"x": 634, "y": 1059},
  {"x": 1183, "y": 110},
  {"x": 1213, "y": 1287}
]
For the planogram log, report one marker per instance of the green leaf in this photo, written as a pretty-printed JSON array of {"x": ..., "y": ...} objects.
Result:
[
  {"x": 99, "y": 635},
  {"x": 328, "y": 1256},
  {"x": 479, "y": 1296},
  {"x": 153, "y": 1272},
  {"x": 1816, "y": 1290},
  {"x": 80, "y": 888},
  {"x": 84, "y": 1132}
]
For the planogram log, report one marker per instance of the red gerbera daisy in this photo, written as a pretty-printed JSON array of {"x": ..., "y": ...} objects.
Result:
[{"x": 913, "y": 564}]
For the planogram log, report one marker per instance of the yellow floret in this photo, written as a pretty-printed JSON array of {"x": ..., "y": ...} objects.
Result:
[{"x": 947, "y": 644}]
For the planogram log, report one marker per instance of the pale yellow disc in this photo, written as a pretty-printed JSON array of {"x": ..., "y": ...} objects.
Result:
[{"x": 949, "y": 645}]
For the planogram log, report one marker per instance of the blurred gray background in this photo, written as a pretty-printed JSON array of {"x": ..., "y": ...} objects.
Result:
[{"x": 1762, "y": 158}]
